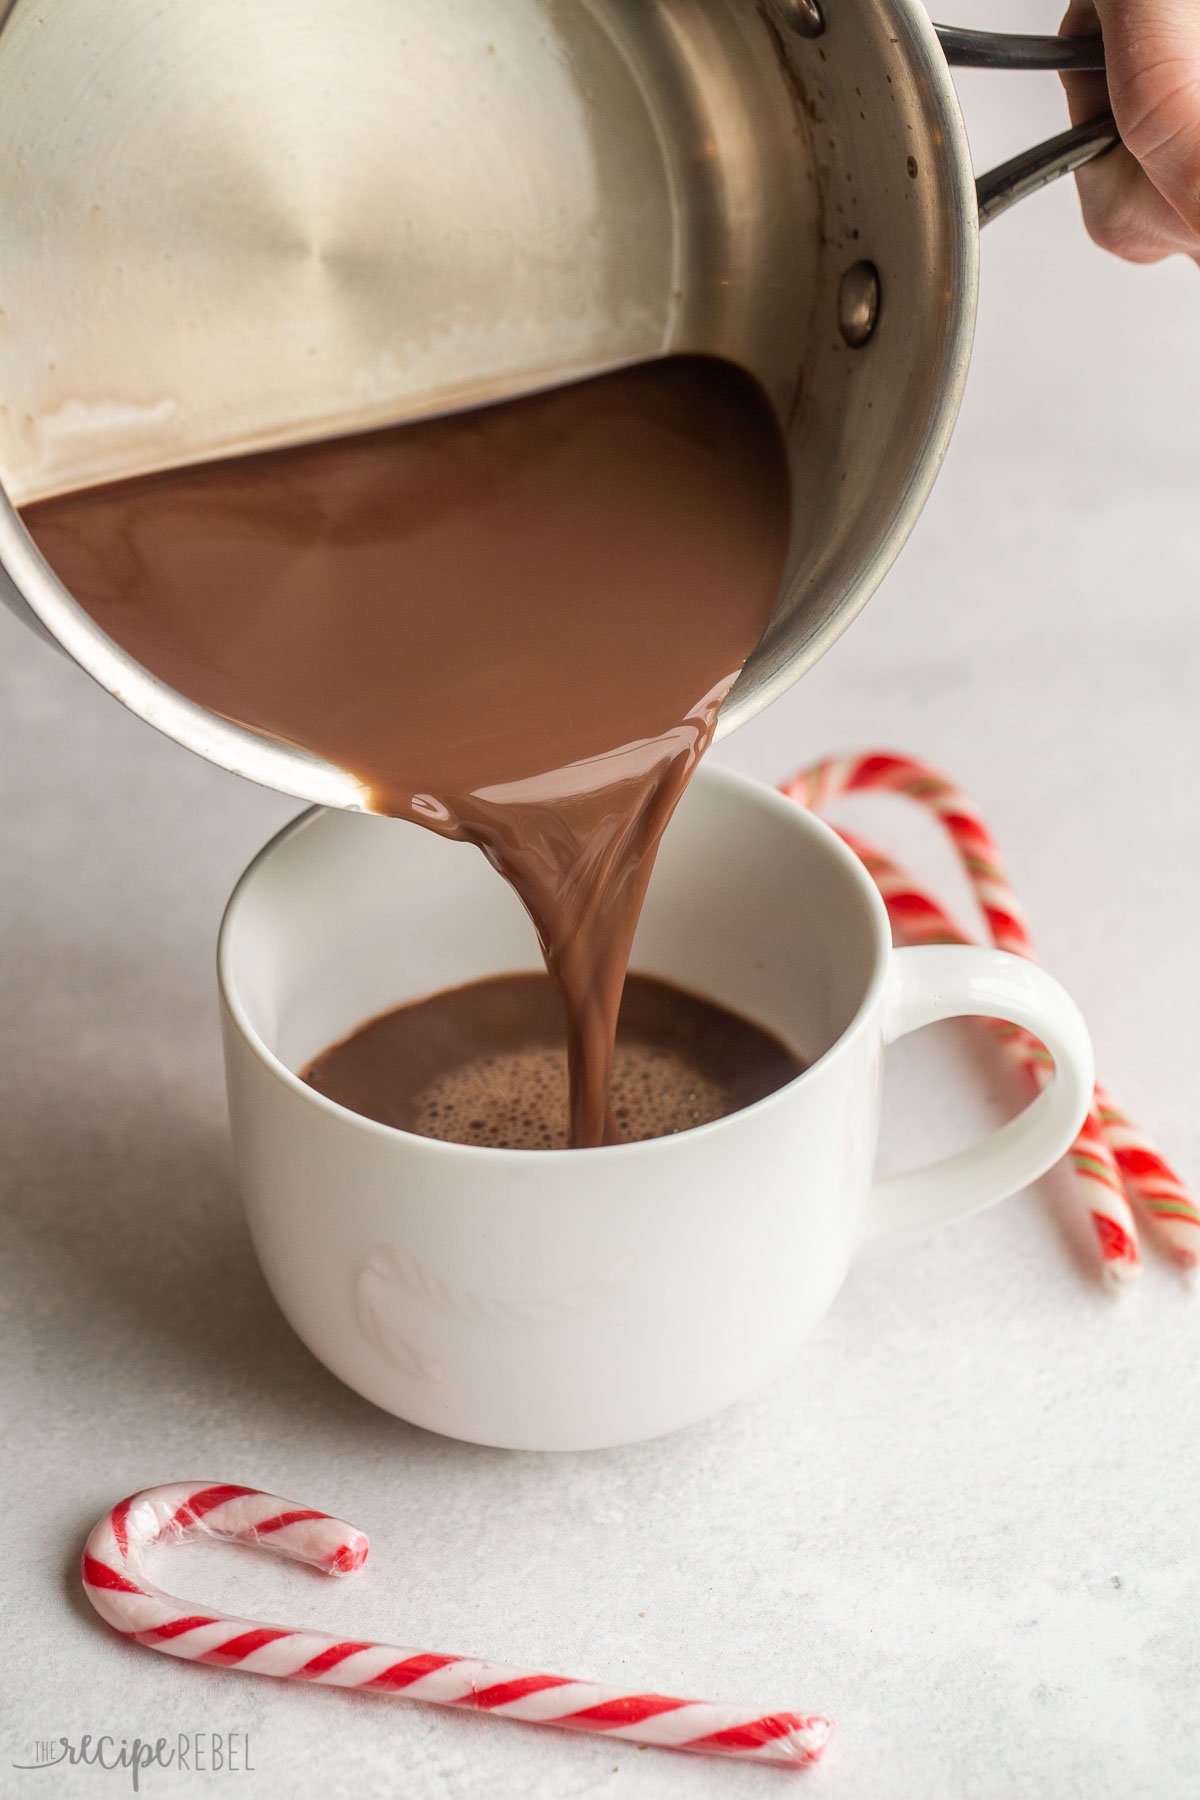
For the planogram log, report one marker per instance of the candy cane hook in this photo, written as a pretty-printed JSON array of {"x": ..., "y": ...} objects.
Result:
[{"x": 114, "y": 1582}]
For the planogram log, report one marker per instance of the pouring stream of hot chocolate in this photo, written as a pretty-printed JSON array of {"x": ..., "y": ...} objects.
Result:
[{"x": 513, "y": 625}]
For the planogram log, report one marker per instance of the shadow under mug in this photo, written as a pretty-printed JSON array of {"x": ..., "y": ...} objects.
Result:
[{"x": 566, "y": 1300}]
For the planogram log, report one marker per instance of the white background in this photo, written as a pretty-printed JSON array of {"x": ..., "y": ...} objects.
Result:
[{"x": 964, "y": 1522}]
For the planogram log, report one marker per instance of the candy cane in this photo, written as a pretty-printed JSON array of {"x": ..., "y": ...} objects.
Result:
[
  {"x": 977, "y": 849},
  {"x": 116, "y": 1585},
  {"x": 1111, "y": 1154},
  {"x": 1150, "y": 1178}
]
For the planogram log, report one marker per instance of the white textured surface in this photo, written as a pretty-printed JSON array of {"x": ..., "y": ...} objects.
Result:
[{"x": 964, "y": 1523}]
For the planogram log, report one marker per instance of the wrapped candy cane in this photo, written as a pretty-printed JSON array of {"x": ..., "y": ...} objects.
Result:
[
  {"x": 1110, "y": 1157},
  {"x": 116, "y": 1585}
]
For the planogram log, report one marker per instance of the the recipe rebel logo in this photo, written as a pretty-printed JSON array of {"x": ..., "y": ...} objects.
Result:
[{"x": 192, "y": 1753}]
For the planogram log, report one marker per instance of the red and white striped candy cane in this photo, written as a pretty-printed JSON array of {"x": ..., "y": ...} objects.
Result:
[
  {"x": 1111, "y": 1157},
  {"x": 834, "y": 776},
  {"x": 116, "y": 1585},
  {"x": 1152, "y": 1182}
]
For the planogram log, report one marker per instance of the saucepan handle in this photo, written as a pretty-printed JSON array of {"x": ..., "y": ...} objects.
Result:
[{"x": 1033, "y": 169}]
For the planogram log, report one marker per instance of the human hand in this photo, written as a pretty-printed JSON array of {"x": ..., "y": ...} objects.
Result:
[{"x": 1142, "y": 202}]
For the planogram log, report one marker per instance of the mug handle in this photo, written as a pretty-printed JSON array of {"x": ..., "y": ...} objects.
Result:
[{"x": 956, "y": 981}]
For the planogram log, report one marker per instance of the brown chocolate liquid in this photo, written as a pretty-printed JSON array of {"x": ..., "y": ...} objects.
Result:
[
  {"x": 513, "y": 625},
  {"x": 487, "y": 1064}
]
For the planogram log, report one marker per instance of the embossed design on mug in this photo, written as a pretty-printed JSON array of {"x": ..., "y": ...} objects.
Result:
[
  {"x": 372, "y": 1296},
  {"x": 388, "y": 1268}
]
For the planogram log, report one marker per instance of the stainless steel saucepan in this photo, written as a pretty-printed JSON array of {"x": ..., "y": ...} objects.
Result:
[{"x": 227, "y": 226}]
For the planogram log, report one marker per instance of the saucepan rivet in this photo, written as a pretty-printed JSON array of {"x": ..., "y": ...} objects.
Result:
[
  {"x": 804, "y": 16},
  {"x": 858, "y": 303}
]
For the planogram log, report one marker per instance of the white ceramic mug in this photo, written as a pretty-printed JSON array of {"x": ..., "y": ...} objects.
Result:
[{"x": 571, "y": 1299}]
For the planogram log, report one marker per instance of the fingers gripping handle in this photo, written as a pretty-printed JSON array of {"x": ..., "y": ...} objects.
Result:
[{"x": 951, "y": 982}]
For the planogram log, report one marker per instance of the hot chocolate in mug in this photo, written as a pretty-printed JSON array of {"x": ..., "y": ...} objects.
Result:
[{"x": 568, "y": 1300}]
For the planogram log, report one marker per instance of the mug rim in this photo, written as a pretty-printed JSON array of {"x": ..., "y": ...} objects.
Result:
[{"x": 798, "y": 818}]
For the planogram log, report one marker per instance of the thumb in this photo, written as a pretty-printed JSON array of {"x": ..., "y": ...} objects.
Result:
[{"x": 1153, "y": 52}]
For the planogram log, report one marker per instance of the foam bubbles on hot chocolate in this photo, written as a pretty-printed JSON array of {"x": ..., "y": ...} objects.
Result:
[
  {"x": 486, "y": 1064},
  {"x": 518, "y": 1100}
]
